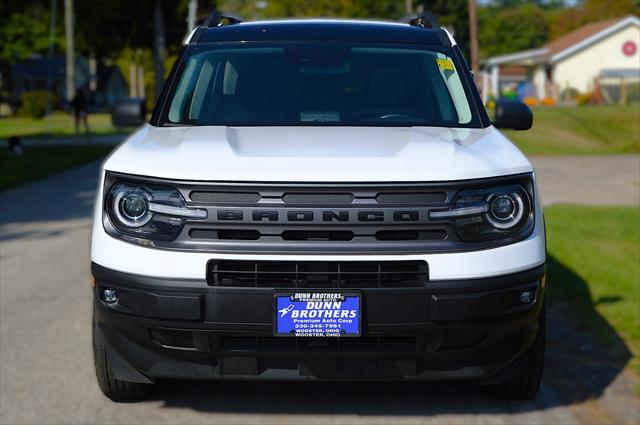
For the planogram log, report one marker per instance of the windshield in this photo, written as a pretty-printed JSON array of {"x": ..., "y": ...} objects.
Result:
[{"x": 319, "y": 84}]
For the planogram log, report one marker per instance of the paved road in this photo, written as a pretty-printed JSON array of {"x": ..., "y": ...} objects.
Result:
[
  {"x": 589, "y": 180},
  {"x": 46, "y": 371}
]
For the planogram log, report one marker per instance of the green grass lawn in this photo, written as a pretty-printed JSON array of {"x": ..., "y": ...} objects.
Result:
[
  {"x": 594, "y": 266},
  {"x": 58, "y": 124},
  {"x": 41, "y": 161},
  {"x": 581, "y": 130}
]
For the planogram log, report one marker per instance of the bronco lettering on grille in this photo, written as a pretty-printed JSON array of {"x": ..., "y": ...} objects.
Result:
[{"x": 327, "y": 215}]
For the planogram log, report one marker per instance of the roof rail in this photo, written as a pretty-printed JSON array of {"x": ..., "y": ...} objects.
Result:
[
  {"x": 218, "y": 19},
  {"x": 428, "y": 20},
  {"x": 425, "y": 21},
  {"x": 215, "y": 19}
]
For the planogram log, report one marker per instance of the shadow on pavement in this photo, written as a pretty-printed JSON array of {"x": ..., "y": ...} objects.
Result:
[
  {"x": 55, "y": 200},
  {"x": 585, "y": 354},
  {"x": 579, "y": 367}
]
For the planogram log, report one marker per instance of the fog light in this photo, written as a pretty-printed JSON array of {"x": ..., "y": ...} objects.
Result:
[
  {"x": 527, "y": 297},
  {"x": 109, "y": 295}
]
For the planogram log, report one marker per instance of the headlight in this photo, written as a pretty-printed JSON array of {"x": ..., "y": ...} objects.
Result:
[
  {"x": 149, "y": 211},
  {"x": 489, "y": 214},
  {"x": 131, "y": 206},
  {"x": 506, "y": 210}
]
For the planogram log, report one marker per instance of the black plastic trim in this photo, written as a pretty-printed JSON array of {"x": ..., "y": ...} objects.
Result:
[{"x": 105, "y": 275}]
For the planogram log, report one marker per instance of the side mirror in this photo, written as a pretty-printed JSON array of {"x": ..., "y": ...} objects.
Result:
[
  {"x": 129, "y": 113},
  {"x": 513, "y": 115}
]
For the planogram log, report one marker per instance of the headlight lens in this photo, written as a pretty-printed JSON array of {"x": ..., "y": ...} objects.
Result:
[
  {"x": 130, "y": 206},
  {"x": 489, "y": 214},
  {"x": 505, "y": 211},
  {"x": 134, "y": 206},
  {"x": 149, "y": 211}
]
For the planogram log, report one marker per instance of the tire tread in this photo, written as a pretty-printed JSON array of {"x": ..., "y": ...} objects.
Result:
[
  {"x": 528, "y": 383},
  {"x": 115, "y": 389}
]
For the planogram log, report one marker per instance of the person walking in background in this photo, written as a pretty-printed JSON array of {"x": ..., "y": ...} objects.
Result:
[{"x": 79, "y": 106}]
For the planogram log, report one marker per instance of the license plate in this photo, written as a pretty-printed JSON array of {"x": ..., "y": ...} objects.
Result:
[{"x": 317, "y": 314}]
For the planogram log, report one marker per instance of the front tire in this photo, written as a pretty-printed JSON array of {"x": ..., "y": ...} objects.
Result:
[
  {"x": 115, "y": 389},
  {"x": 529, "y": 375}
]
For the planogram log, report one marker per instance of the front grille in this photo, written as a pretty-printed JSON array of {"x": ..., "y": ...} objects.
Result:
[
  {"x": 317, "y": 274},
  {"x": 317, "y": 198},
  {"x": 338, "y": 345},
  {"x": 352, "y": 218}
]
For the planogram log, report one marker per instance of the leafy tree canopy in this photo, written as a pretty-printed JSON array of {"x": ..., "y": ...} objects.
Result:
[
  {"x": 22, "y": 34},
  {"x": 107, "y": 27}
]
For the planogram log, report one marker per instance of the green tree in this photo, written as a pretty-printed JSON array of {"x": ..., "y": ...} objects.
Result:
[
  {"x": 562, "y": 21},
  {"x": 452, "y": 14},
  {"x": 379, "y": 9},
  {"x": 511, "y": 29},
  {"x": 23, "y": 33}
]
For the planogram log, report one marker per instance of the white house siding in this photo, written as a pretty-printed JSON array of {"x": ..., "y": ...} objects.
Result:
[
  {"x": 540, "y": 81},
  {"x": 579, "y": 69}
]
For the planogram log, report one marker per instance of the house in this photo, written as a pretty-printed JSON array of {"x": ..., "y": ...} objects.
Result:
[
  {"x": 601, "y": 52},
  {"x": 33, "y": 74},
  {"x": 106, "y": 83}
]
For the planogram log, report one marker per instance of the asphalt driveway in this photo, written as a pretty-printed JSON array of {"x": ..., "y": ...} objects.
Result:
[
  {"x": 589, "y": 180},
  {"x": 47, "y": 376}
]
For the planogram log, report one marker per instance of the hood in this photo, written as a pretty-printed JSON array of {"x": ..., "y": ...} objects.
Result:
[{"x": 318, "y": 154}]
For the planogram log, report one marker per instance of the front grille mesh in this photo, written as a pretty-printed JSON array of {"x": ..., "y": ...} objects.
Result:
[
  {"x": 318, "y": 198},
  {"x": 225, "y": 197},
  {"x": 317, "y": 274}
]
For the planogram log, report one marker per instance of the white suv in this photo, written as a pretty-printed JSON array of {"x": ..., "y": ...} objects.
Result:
[{"x": 319, "y": 200}]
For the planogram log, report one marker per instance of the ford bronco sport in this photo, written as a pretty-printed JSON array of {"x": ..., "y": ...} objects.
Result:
[{"x": 319, "y": 200}]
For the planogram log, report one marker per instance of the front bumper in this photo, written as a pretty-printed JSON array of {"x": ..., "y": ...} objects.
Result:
[{"x": 455, "y": 329}]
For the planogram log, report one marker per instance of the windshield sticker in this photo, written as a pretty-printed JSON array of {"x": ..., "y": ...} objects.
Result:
[{"x": 445, "y": 64}]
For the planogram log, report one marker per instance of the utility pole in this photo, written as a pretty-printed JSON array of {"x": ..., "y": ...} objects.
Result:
[
  {"x": 68, "y": 31},
  {"x": 408, "y": 7},
  {"x": 191, "y": 17},
  {"x": 52, "y": 35},
  {"x": 158, "y": 47},
  {"x": 473, "y": 30}
]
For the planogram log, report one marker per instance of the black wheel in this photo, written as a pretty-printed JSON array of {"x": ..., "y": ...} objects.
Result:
[
  {"x": 529, "y": 376},
  {"x": 115, "y": 389}
]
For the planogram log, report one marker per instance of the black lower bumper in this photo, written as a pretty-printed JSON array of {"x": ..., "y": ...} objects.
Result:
[{"x": 464, "y": 329}]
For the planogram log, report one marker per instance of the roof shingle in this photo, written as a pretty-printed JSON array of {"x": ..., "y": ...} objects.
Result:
[{"x": 576, "y": 36}]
